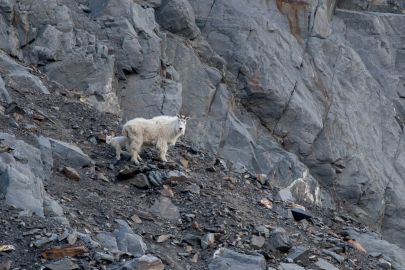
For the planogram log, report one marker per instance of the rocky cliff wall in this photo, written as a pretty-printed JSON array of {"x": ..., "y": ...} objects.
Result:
[{"x": 279, "y": 87}]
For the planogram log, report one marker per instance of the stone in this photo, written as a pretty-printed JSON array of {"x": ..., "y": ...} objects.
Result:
[
  {"x": 102, "y": 177},
  {"x": 25, "y": 82},
  {"x": 136, "y": 219},
  {"x": 228, "y": 259},
  {"x": 384, "y": 264},
  {"x": 175, "y": 176},
  {"x": 128, "y": 241},
  {"x": 5, "y": 97},
  {"x": 207, "y": 240},
  {"x": 289, "y": 266},
  {"x": 70, "y": 153},
  {"x": 140, "y": 181},
  {"x": 262, "y": 230},
  {"x": 184, "y": 162},
  {"x": 22, "y": 173},
  {"x": 164, "y": 208},
  {"x": 44, "y": 145},
  {"x": 266, "y": 203},
  {"x": 163, "y": 238},
  {"x": 193, "y": 188},
  {"x": 72, "y": 238},
  {"x": 257, "y": 241},
  {"x": 71, "y": 173},
  {"x": 262, "y": 178},
  {"x": 52, "y": 208},
  {"x": 279, "y": 240},
  {"x": 300, "y": 214},
  {"x": 5, "y": 265},
  {"x": 108, "y": 241},
  {"x": 177, "y": 16},
  {"x": 100, "y": 257},
  {"x": 325, "y": 265},
  {"x": 192, "y": 239},
  {"x": 375, "y": 244},
  {"x": 286, "y": 195},
  {"x": 156, "y": 178},
  {"x": 88, "y": 240},
  {"x": 63, "y": 264},
  {"x": 167, "y": 192},
  {"x": 337, "y": 257},
  {"x": 145, "y": 262},
  {"x": 300, "y": 255},
  {"x": 44, "y": 241}
]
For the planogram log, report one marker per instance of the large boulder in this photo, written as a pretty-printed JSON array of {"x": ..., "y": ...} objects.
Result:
[
  {"x": 70, "y": 153},
  {"x": 373, "y": 243},
  {"x": 22, "y": 173},
  {"x": 178, "y": 17},
  {"x": 128, "y": 241}
]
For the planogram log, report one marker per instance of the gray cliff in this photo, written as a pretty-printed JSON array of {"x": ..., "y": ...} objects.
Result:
[{"x": 309, "y": 92}]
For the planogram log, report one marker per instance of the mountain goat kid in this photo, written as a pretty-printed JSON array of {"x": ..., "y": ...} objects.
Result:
[
  {"x": 117, "y": 143},
  {"x": 160, "y": 131}
]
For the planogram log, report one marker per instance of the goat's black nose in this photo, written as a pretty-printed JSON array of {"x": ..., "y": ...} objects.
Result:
[{"x": 180, "y": 128}]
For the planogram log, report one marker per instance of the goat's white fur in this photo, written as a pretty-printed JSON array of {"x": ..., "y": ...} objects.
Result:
[
  {"x": 160, "y": 131},
  {"x": 117, "y": 143}
]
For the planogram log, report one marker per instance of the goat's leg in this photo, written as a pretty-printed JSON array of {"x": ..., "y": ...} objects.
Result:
[
  {"x": 135, "y": 148},
  {"x": 162, "y": 146},
  {"x": 118, "y": 151}
]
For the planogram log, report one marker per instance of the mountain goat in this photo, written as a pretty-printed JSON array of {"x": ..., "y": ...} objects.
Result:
[
  {"x": 160, "y": 131},
  {"x": 117, "y": 143}
]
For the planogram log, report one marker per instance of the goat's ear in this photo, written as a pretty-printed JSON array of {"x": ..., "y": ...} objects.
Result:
[
  {"x": 187, "y": 118},
  {"x": 178, "y": 116}
]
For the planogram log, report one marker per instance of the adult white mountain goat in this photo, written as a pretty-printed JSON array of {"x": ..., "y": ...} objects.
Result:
[{"x": 160, "y": 131}]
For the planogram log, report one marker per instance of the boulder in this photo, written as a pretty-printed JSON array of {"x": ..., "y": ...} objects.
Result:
[
  {"x": 279, "y": 240},
  {"x": 177, "y": 16},
  {"x": 22, "y": 173},
  {"x": 374, "y": 244},
  {"x": 226, "y": 259},
  {"x": 145, "y": 262},
  {"x": 70, "y": 153},
  {"x": 128, "y": 241}
]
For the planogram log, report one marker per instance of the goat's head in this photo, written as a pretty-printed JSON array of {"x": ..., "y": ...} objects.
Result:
[
  {"x": 181, "y": 123},
  {"x": 108, "y": 139}
]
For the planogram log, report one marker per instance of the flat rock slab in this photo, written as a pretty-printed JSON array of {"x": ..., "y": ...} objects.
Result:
[
  {"x": 289, "y": 266},
  {"x": 226, "y": 259},
  {"x": 64, "y": 264},
  {"x": 70, "y": 153},
  {"x": 128, "y": 241},
  {"x": 145, "y": 262},
  {"x": 325, "y": 265}
]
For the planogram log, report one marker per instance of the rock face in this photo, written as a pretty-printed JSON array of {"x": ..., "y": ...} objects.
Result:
[
  {"x": 22, "y": 176},
  {"x": 310, "y": 93}
]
